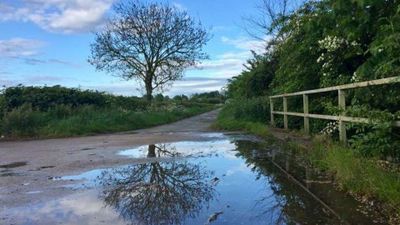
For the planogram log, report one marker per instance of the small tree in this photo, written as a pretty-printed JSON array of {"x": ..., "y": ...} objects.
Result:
[{"x": 149, "y": 42}]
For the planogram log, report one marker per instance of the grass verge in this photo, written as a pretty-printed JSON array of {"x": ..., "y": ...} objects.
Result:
[
  {"x": 365, "y": 178},
  {"x": 227, "y": 121},
  {"x": 66, "y": 122}
]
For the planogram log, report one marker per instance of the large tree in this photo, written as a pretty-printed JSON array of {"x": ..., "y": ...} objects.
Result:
[{"x": 150, "y": 42}]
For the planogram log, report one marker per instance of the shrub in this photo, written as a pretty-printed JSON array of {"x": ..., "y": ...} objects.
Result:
[
  {"x": 44, "y": 98},
  {"x": 253, "y": 110},
  {"x": 22, "y": 121},
  {"x": 61, "y": 111}
]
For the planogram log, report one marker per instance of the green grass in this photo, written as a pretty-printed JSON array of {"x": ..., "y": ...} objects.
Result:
[
  {"x": 65, "y": 122},
  {"x": 353, "y": 172},
  {"x": 227, "y": 121},
  {"x": 357, "y": 174}
]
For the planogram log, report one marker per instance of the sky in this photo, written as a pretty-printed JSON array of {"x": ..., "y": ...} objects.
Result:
[{"x": 47, "y": 42}]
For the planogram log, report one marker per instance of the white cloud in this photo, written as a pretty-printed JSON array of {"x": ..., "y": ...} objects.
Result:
[
  {"x": 32, "y": 79},
  {"x": 230, "y": 63},
  {"x": 223, "y": 66},
  {"x": 45, "y": 79},
  {"x": 28, "y": 51},
  {"x": 66, "y": 16},
  {"x": 191, "y": 87},
  {"x": 245, "y": 43},
  {"x": 20, "y": 47}
]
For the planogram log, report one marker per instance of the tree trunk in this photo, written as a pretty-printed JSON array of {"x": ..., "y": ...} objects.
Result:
[
  {"x": 151, "y": 153},
  {"x": 149, "y": 88}
]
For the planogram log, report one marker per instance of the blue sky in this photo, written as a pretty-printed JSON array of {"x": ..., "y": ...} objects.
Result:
[{"x": 46, "y": 42}]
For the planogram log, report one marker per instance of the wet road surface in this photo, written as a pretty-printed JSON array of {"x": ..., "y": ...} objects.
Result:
[{"x": 160, "y": 176}]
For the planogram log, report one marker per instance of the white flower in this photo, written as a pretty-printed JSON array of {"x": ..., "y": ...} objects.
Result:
[
  {"x": 332, "y": 43},
  {"x": 321, "y": 58},
  {"x": 330, "y": 128},
  {"x": 354, "y": 78}
]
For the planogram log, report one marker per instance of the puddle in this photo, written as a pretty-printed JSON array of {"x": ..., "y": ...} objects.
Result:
[
  {"x": 88, "y": 148},
  {"x": 33, "y": 192},
  {"x": 227, "y": 180},
  {"x": 6, "y": 173},
  {"x": 13, "y": 165},
  {"x": 180, "y": 149}
]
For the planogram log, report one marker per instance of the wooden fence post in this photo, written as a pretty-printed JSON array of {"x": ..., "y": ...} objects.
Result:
[
  {"x": 342, "y": 107},
  {"x": 306, "y": 118},
  {"x": 285, "y": 116},
  {"x": 271, "y": 104}
]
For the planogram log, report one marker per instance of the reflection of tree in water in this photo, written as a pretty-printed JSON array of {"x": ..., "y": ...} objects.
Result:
[
  {"x": 161, "y": 150},
  {"x": 288, "y": 203},
  {"x": 157, "y": 192}
]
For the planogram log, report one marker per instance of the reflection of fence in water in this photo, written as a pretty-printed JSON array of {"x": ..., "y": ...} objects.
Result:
[{"x": 342, "y": 118}]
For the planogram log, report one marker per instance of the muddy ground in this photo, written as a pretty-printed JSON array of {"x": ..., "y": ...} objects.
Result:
[{"x": 28, "y": 168}]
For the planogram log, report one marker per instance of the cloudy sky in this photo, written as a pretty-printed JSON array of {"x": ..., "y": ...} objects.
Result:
[{"x": 46, "y": 42}]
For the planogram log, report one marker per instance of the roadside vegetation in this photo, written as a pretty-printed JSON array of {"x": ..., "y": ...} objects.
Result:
[
  {"x": 369, "y": 179},
  {"x": 43, "y": 112},
  {"x": 321, "y": 44}
]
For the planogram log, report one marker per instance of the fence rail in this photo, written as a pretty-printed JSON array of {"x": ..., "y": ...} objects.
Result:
[{"x": 342, "y": 119}]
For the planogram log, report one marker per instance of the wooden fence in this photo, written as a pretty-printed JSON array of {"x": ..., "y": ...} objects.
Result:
[{"x": 342, "y": 118}]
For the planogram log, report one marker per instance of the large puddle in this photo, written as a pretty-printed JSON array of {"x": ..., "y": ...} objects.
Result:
[{"x": 227, "y": 180}]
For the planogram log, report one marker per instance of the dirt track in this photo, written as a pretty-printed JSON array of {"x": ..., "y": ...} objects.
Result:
[{"x": 46, "y": 159}]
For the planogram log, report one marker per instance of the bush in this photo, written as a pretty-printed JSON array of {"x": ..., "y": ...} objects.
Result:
[
  {"x": 45, "y": 98},
  {"x": 61, "y": 111},
  {"x": 22, "y": 121},
  {"x": 252, "y": 110}
]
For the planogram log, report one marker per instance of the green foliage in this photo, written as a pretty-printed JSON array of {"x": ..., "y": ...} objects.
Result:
[
  {"x": 254, "y": 81},
  {"x": 256, "y": 128},
  {"x": 180, "y": 98},
  {"x": 127, "y": 103},
  {"x": 44, "y": 98},
  {"x": 159, "y": 98},
  {"x": 64, "y": 121},
  {"x": 378, "y": 138},
  {"x": 213, "y": 97},
  {"x": 327, "y": 43},
  {"x": 22, "y": 121},
  {"x": 357, "y": 174},
  {"x": 60, "y": 112},
  {"x": 89, "y": 120},
  {"x": 251, "y": 110}
]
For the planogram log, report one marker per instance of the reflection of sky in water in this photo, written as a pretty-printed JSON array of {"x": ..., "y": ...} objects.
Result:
[
  {"x": 69, "y": 211},
  {"x": 186, "y": 148},
  {"x": 243, "y": 193},
  {"x": 236, "y": 193}
]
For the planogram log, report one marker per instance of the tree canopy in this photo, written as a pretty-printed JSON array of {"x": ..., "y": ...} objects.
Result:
[{"x": 150, "y": 42}]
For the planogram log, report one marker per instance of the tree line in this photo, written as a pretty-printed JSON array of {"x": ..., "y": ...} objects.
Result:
[{"x": 326, "y": 43}]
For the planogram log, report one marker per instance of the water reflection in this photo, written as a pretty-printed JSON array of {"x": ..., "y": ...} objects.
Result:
[
  {"x": 248, "y": 182},
  {"x": 294, "y": 198},
  {"x": 157, "y": 192}
]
